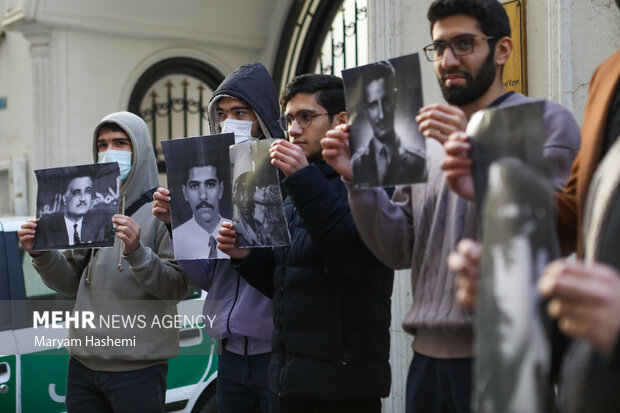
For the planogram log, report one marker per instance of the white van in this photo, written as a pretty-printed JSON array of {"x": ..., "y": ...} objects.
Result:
[{"x": 32, "y": 380}]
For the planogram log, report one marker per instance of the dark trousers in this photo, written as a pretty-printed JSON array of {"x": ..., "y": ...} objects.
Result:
[
  {"x": 141, "y": 390},
  {"x": 242, "y": 384},
  {"x": 305, "y": 405},
  {"x": 439, "y": 385}
]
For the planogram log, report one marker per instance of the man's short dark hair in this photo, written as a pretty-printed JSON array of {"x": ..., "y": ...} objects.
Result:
[
  {"x": 201, "y": 163},
  {"x": 380, "y": 70},
  {"x": 110, "y": 127},
  {"x": 329, "y": 91},
  {"x": 490, "y": 15}
]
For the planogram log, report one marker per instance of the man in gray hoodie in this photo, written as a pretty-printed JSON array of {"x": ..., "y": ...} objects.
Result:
[
  {"x": 114, "y": 368},
  {"x": 245, "y": 103}
]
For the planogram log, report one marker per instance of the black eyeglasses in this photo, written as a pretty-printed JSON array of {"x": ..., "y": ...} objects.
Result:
[
  {"x": 303, "y": 118},
  {"x": 461, "y": 46}
]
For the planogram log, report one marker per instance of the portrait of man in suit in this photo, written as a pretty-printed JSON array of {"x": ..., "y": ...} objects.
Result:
[
  {"x": 384, "y": 161},
  {"x": 75, "y": 225}
]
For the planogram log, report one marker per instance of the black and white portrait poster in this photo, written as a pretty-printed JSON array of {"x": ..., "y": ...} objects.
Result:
[
  {"x": 511, "y": 343},
  {"x": 75, "y": 206},
  {"x": 258, "y": 212},
  {"x": 515, "y": 131},
  {"x": 198, "y": 172},
  {"x": 387, "y": 149}
]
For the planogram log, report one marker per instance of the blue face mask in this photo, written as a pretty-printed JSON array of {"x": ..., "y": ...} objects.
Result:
[{"x": 123, "y": 158}]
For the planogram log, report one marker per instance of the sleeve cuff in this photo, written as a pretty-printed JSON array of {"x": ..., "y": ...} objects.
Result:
[
  {"x": 44, "y": 259},
  {"x": 137, "y": 258}
]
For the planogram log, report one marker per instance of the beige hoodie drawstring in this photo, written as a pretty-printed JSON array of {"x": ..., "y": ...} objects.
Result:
[
  {"x": 90, "y": 261},
  {"x": 120, "y": 251}
]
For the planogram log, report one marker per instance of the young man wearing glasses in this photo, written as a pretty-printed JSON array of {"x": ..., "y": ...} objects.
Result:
[
  {"x": 331, "y": 295},
  {"x": 422, "y": 223}
]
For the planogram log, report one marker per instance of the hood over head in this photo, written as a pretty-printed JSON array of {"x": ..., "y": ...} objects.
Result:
[
  {"x": 143, "y": 176},
  {"x": 252, "y": 84}
]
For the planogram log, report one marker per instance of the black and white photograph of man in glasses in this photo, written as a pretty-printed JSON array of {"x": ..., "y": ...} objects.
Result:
[{"x": 382, "y": 100}]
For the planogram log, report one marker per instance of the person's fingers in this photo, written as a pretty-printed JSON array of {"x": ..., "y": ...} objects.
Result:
[
  {"x": 570, "y": 281},
  {"x": 457, "y": 148},
  {"x": 226, "y": 231},
  {"x": 332, "y": 143},
  {"x": 160, "y": 196},
  {"x": 338, "y": 134},
  {"x": 573, "y": 326},
  {"x": 470, "y": 248},
  {"x": 454, "y": 162}
]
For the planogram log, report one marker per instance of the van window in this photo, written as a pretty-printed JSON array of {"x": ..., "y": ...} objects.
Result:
[{"x": 35, "y": 288}]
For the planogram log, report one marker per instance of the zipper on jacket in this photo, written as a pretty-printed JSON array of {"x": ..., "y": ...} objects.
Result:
[
  {"x": 233, "y": 305},
  {"x": 245, "y": 346}
]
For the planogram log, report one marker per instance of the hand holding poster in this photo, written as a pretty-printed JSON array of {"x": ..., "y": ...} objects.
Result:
[
  {"x": 382, "y": 100},
  {"x": 75, "y": 206},
  {"x": 198, "y": 171}
]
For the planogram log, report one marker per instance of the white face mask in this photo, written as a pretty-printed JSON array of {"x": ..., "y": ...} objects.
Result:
[
  {"x": 123, "y": 158},
  {"x": 241, "y": 128}
]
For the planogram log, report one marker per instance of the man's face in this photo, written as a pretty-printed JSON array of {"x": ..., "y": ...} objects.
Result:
[
  {"x": 78, "y": 196},
  {"x": 118, "y": 141},
  {"x": 512, "y": 267},
  {"x": 463, "y": 79},
  {"x": 260, "y": 205},
  {"x": 231, "y": 108},
  {"x": 380, "y": 109},
  {"x": 203, "y": 192},
  {"x": 309, "y": 139}
]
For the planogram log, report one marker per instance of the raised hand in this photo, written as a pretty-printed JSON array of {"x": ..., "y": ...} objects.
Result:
[
  {"x": 457, "y": 165},
  {"x": 439, "y": 120},
  {"x": 128, "y": 231},
  {"x": 336, "y": 150},
  {"x": 585, "y": 299},
  {"x": 227, "y": 242},
  {"x": 26, "y": 237},
  {"x": 161, "y": 205}
]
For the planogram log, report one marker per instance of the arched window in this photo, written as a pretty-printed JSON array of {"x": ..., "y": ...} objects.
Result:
[
  {"x": 172, "y": 97},
  {"x": 322, "y": 36}
]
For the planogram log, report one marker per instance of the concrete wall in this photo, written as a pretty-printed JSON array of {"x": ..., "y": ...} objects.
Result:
[{"x": 64, "y": 64}]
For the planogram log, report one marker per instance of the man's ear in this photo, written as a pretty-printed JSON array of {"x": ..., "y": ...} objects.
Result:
[
  {"x": 184, "y": 193},
  {"x": 340, "y": 118},
  {"x": 221, "y": 185},
  {"x": 503, "y": 49}
]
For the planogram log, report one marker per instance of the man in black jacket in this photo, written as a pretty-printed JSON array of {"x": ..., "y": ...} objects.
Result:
[{"x": 331, "y": 295}]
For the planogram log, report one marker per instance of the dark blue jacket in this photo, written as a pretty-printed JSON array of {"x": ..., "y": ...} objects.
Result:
[{"x": 331, "y": 297}]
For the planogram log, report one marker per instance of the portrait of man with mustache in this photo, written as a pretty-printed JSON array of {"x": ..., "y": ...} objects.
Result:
[
  {"x": 202, "y": 189},
  {"x": 75, "y": 220}
]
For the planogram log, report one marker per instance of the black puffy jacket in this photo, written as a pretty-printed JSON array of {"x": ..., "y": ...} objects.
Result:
[{"x": 331, "y": 296}]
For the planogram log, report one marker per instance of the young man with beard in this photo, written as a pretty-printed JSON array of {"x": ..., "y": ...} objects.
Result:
[
  {"x": 331, "y": 295},
  {"x": 246, "y": 104},
  {"x": 422, "y": 223}
]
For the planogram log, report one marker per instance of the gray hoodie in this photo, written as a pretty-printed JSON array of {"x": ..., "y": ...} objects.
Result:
[{"x": 145, "y": 290}]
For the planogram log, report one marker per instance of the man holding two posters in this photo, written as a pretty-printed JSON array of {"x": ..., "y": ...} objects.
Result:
[
  {"x": 246, "y": 104},
  {"x": 422, "y": 223}
]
